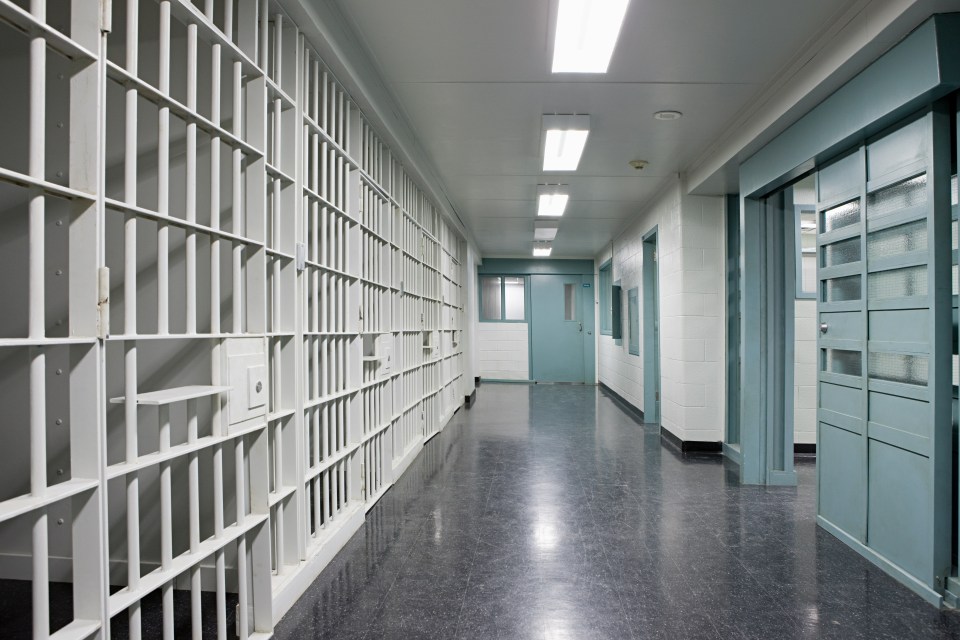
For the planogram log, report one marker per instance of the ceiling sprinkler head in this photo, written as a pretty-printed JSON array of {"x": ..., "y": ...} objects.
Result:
[{"x": 639, "y": 165}]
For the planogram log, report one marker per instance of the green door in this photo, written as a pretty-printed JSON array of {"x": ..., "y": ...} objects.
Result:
[
  {"x": 884, "y": 432},
  {"x": 557, "y": 328}
]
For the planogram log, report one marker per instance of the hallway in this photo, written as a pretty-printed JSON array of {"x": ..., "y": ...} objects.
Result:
[{"x": 548, "y": 512}]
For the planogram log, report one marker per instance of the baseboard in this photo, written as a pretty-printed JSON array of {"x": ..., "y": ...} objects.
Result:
[
  {"x": 476, "y": 381},
  {"x": 408, "y": 458},
  {"x": 622, "y": 402},
  {"x": 287, "y": 593},
  {"x": 691, "y": 446},
  {"x": 471, "y": 399},
  {"x": 804, "y": 449},
  {"x": 898, "y": 574}
]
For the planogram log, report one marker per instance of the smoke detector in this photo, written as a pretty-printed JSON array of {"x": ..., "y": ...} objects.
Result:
[
  {"x": 639, "y": 165},
  {"x": 668, "y": 115}
]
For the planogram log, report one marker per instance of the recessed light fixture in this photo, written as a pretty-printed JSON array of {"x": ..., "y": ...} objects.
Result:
[
  {"x": 545, "y": 230},
  {"x": 587, "y": 32},
  {"x": 542, "y": 250},
  {"x": 551, "y": 201},
  {"x": 668, "y": 115},
  {"x": 564, "y": 138}
]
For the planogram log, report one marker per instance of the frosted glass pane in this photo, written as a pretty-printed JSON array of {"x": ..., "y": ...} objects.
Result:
[
  {"x": 842, "y": 289},
  {"x": 901, "y": 195},
  {"x": 490, "y": 298},
  {"x": 569, "y": 302},
  {"x": 808, "y": 273},
  {"x": 840, "y": 216},
  {"x": 899, "y": 367},
  {"x": 849, "y": 363},
  {"x": 513, "y": 299},
  {"x": 895, "y": 240},
  {"x": 842, "y": 252},
  {"x": 897, "y": 283}
]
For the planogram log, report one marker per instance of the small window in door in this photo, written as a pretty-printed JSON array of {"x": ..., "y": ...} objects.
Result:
[{"x": 570, "y": 302}]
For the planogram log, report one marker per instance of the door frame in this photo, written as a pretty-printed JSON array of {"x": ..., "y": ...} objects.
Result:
[{"x": 652, "y": 384}]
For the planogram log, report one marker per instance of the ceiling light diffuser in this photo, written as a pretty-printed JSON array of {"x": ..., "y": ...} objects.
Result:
[
  {"x": 545, "y": 231},
  {"x": 563, "y": 142},
  {"x": 551, "y": 201},
  {"x": 542, "y": 250},
  {"x": 587, "y": 32}
]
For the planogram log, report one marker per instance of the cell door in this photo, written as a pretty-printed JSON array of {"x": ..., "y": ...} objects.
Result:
[
  {"x": 884, "y": 432},
  {"x": 557, "y": 329}
]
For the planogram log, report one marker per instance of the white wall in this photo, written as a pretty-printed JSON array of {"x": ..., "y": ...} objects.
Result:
[
  {"x": 503, "y": 350},
  {"x": 805, "y": 372},
  {"x": 692, "y": 294}
]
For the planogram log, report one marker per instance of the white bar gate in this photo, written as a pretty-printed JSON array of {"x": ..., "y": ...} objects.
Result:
[{"x": 231, "y": 318}]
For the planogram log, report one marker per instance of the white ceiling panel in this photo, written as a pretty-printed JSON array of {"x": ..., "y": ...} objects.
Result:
[{"x": 473, "y": 78}]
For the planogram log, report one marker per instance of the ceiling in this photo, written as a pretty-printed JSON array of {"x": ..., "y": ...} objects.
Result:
[{"x": 473, "y": 78}]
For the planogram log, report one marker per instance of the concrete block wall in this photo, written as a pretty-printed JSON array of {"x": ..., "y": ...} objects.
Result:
[
  {"x": 503, "y": 350},
  {"x": 692, "y": 313}
]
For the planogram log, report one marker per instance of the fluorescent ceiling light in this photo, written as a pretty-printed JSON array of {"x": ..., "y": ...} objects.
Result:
[
  {"x": 544, "y": 231},
  {"x": 563, "y": 141},
  {"x": 551, "y": 203},
  {"x": 542, "y": 250},
  {"x": 587, "y": 32}
]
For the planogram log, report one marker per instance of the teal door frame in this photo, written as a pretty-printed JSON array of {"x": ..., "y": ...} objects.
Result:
[
  {"x": 651, "y": 329},
  {"x": 918, "y": 72},
  {"x": 731, "y": 443}
]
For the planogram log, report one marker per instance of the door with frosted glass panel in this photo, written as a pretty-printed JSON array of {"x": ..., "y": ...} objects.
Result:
[
  {"x": 557, "y": 329},
  {"x": 884, "y": 433}
]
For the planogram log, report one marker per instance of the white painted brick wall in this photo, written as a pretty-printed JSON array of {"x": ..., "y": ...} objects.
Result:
[
  {"x": 503, "y": 350},
  {"x": 692, "y": 314}
]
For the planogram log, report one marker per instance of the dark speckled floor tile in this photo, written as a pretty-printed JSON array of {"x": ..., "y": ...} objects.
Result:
[{"x": 546, "y": 512}]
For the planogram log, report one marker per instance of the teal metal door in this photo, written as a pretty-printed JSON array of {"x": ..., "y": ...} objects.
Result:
[
  {"x": 557, "y": 328},
  {"x": 884, "y": 426}
]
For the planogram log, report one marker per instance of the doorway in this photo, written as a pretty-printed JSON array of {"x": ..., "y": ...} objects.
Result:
[
  {"x": 561, "y": 329},
  {"x": 651, "y": 330}
]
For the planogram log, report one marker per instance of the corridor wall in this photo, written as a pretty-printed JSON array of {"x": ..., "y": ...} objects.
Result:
[{"x": 692, "y": 313}]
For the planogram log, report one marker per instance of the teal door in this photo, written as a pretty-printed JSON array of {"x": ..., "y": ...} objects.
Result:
[
  {"x": 557, "y": 328},
  {"x": 884, "y": 432}
]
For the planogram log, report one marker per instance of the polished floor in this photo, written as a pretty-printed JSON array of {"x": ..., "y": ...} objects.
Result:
[{"x": 548, "y": 512}]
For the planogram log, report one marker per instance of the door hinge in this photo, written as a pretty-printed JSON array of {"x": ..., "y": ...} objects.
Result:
[
  {"x": 103, "y": 303},
  {"x": 106, "y": 16}
]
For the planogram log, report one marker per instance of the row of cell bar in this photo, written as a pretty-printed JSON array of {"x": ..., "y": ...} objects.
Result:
[
  {"x": 327, "y": 496},
  {"x": 407, "y": 432},
  {"x": 376, "y": 312},
  {"x": 327, "y": 363},
  {"x": 328, "y": 296},
  {"x": 374, "y": 469},
  {"x": 375, "y": 263},
  {"x": 328, "y": 433},
  {"x": 377, "y": 406},
  {"x": 373, "y": 154},
  {"x": 374, "y": 212}
]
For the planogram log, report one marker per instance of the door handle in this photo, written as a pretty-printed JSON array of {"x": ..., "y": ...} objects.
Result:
[
  {"x": 581, "y": 327},
  {"x": 824, "y": 327}
]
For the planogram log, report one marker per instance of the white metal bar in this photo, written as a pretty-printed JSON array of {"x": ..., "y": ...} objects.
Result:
[
  {"x": 163, "y": 176},
  {"x": 191, "y": 183},
  {"x": 241, "y": 493},
  {"x": 166, "y": 521},
  {"x": 237, "y": 210}
]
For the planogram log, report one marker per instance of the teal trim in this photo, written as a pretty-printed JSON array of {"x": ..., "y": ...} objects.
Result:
[
  {"x": 606, "y": 283},
  {"x": 589, "y": 341},
  {"x": 521, "y": 266},
  {"x": 732, "y": 431},
  {"x": 798, "y": 251},
  {"x": 633, "y": 320},
  {"x": 902, "y": 576},
  {"x": 920, "y": 69},
  {"x": 651, "y": 328}
]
